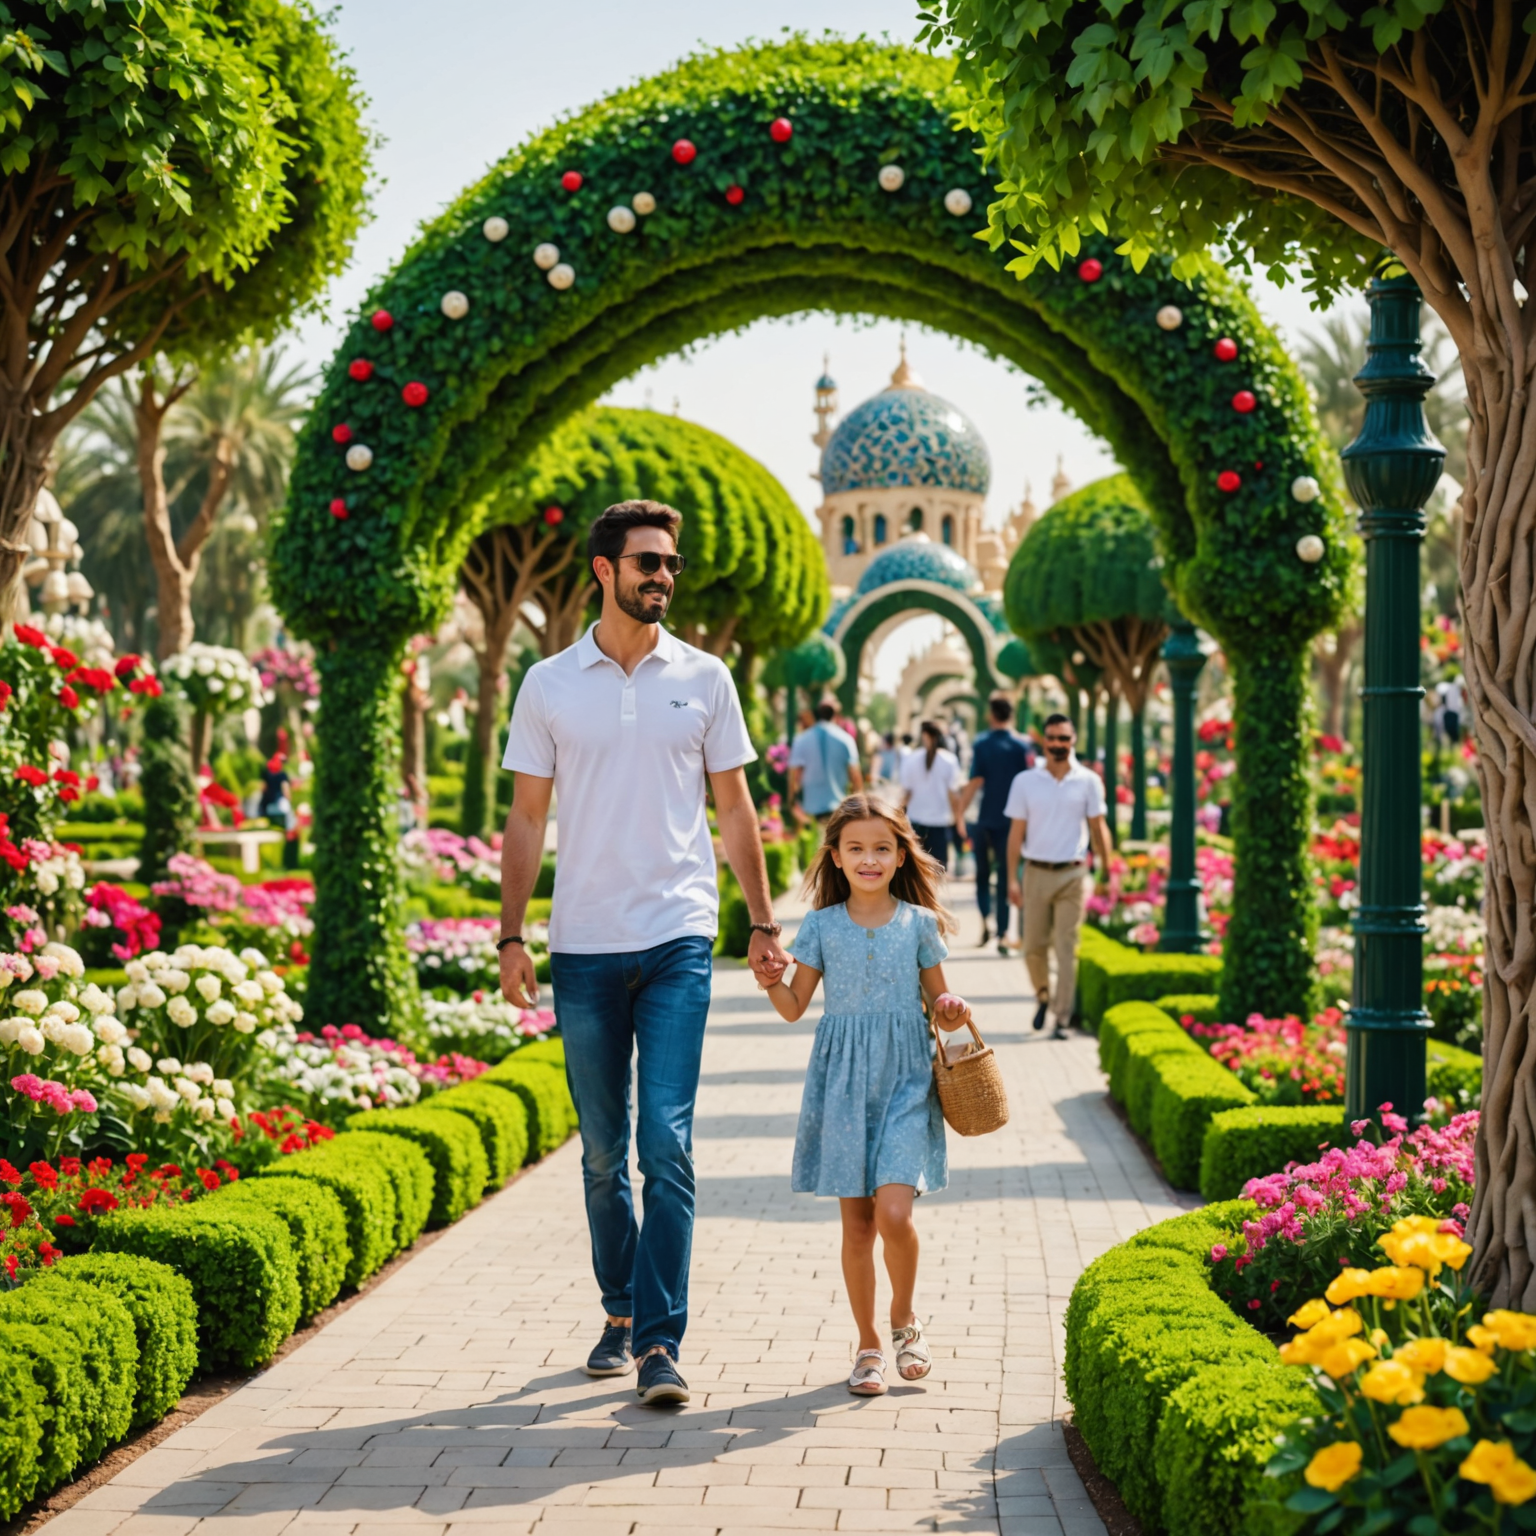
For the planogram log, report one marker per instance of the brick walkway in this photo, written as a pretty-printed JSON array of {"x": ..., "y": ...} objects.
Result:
[{"x": 449, "y": 1400}]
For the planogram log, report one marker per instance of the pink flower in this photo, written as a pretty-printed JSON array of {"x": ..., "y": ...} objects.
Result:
[
  {"x": 83, "y": 1100},
  {"x": 29, "y": 1084},
  {"x": 1218, "y": 1253}
]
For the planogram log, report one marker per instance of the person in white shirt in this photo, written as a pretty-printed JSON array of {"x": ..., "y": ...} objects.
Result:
[
  {"x": 1053, "y": 811},
  {"x": 626, "y": 727},
  {"x": 931, "y": 780}
]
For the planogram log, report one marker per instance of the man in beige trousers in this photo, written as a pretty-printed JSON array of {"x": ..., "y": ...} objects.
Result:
[{"x": 1053, "y": 810}]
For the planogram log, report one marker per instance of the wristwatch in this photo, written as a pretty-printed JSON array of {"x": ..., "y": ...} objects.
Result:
[{"x": 773, "y": 930}]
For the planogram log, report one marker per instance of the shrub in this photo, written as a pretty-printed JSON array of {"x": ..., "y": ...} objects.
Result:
[
  {"x": 1454, "y": 1076},
  {"x": 240, "y": 1263},
  {"x": 1117, "y": 1027},
  {"x": 780, "y": 859},
  {"x": 170, "y": 798},
  {"x": 1243, "y": 1144},
  {"x": 545, "y": 1094},
  {"x": 544, "y": 882},
  {"x": 25, "y": 1406},
  {"x": 164, "y": 1314},
  {"x": 1202, "y": 1007},
  {"x": 1142, "y": 1065},
  {"x": 735, "y": 935},
  {"x": 501, "y": 1120},
  {"x": 550, "y": 1051},
  {"x": 409, "y": 1171},
  {"x": 367, "y": 1198},
  {"x": 1188, "y": 1091},
  {"x": 453, "y": 1147},
  {"x": 317, "y": 1227},
  {"x": 1109, "y": 973}
]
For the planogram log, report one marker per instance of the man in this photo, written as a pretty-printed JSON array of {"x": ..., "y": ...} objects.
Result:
[
  {"x": 998, "y": 758},
  {"x": 1054, "y": 809},
  {"x": 823, "y": 764},
  {"x": 625, "y": 726}
]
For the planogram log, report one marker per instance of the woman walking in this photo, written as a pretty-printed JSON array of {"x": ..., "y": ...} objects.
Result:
[{"x": 930, "y": 781}]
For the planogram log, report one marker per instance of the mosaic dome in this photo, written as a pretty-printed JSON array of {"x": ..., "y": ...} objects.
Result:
[
  {"x": 905, "y": 437},
  {"x": 918, "y": 558}
]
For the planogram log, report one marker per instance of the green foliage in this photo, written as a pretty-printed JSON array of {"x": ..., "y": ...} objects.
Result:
[
  {"x": 1109, "y": 973},
  {"x": 164, "y": 1314},
  {"x": 1142, "y": 1068},
  {"x": 780, "y": 859},
  {"x": 1202, "y": 1007},
  {"x": 453, "y": 1147},
  {"x": 241, "y": 1266},
  {"x": 1243, "y": 1144},
  {"x": 170, "y": 791},
  {"x": 26, "y": 1374},
  {"x": 735, "y": 934},
  {"x": 363, "y": 1186},
  {"x": 813, "y": 231},
  {"x": 541, "y": 1085},
  {"x": 1189, "y": 1089},
  {"x": 317, "y": 1228},
  {"x": 409, "y": 1171},
  {"x": 1120, "y": 1025},
  {"x": 1454, "y": 1076},
  {"x": 544, "y": 884},
  {"x": 500, "y": 1120}
]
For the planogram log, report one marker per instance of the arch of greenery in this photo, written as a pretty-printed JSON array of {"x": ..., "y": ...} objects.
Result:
[{"x": 752, "y": 226}]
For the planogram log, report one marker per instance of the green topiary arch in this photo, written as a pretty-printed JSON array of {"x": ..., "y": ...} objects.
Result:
[{"x": 752, "y": 225}]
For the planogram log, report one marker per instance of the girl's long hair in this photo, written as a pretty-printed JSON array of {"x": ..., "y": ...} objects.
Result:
[
  {"x": 918, "y": 879},
  {"x": 935, "y": 740}
]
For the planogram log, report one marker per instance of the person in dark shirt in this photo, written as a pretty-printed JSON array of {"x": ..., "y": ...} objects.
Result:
[
  {"x": 998, "y": 758},
  {"x": 274, "y": 802}
]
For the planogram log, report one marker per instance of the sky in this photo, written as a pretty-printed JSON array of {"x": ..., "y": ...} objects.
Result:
[{"x": 456, "y": 85}]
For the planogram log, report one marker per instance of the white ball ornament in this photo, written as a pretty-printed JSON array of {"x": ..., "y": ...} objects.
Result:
[
  {"x": 1310, "y": 547},
  {"x": 545, "y": 256},
  {"x": 1170, "y": 317},
  {"x": 621, "y": 219},
  {"x": 958, "y": 202},
  {"x": 1305, "y": 488},
  {"x": 562, "y": 275},
  {"x": 495, "y": 229},
  {"x": 359, "y": 456},
  {"x": 891, "y": 178},
  {"x": 455, "y": 304},
  {"x": 643, "y": 203}
]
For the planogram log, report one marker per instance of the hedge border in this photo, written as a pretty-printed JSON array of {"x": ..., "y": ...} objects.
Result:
[
  {"x": 453, "y": 1146},
  {"x": 367, "y": 1197},
  {"x": 1243, "y": 1144},
  {"x": 500, "y": 1118},
  {"x": 317, "y": 1228},
  {"x": 1110, "y": 973}
]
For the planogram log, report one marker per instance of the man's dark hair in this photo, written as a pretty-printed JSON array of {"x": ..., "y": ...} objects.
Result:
[
  {"x": 1001, "y": 707},
  {"x": 607, "y": 534},
  {"x": 826, "y": 710},
  {"x": 906, "y": 738},
  {"x": 1059, "y": 719}
]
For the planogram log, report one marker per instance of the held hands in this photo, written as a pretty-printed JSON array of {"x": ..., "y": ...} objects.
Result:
[
  {"x": 951, "y": 1012},
  {"x": 518, "y": 984},
  {"x": 766, "y": 957}
]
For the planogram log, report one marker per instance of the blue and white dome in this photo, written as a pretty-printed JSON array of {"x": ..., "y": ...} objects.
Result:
[
  {"x": 918, "y": 558},
  {"x": 905, "y": 436}
]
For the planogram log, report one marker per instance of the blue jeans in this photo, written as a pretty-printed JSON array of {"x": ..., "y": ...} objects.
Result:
[
  {"x": 991, "y": 843},
  {"x": 607, "y": 1005}
]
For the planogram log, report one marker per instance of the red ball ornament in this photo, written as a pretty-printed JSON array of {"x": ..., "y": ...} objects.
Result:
[
  {"x": 1091, "y": 270},
  {"x": 684, "y": 152},
  {"x": 360, "y": 369},
  {"x": 1244, "y": 401},
  {"x": 339, "y": 508},
  {"x": 781, "y": 130},
  {"x": 734, "y": 195},
  {"x": 414, "y": 394},
  {"x": 1226, "y": 350},
  {"x": 341, "y": 433},
  {"x": 1228, "y": 480},
  {"x": 382, "y": 320},
  {"x": 553, "y": 516},
  {"x": 571, "y": 181}
]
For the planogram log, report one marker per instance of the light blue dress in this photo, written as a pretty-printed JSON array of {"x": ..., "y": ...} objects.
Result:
[{"x": 870, "y": 1115}]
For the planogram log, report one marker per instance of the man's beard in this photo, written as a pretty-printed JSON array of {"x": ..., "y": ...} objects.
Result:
[
  {"x": 640, "y": 603},
  {"x": 1061, "y": 754}
]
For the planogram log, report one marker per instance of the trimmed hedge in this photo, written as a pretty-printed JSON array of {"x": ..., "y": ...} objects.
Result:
[
  {"x": 79, "y": 1346},
  {"x": 1109, "y": 973},
  {"x": 1189, "y": 1089},
  {"x": 546, "y": 1096},
  {"x": 1117, "y": 1028},
  {"x": 317, "y": 1227},
  {"x": 1454, "y": 1075},
  {"x": 164, "y": 1314},
  {"x": 241, "y": 1265},
  {"x": 409, "y": 1171},
  {"x": 367, "y": 1195},
  {"x": 1243, "y": 1144},
  {"x": 1143, "y": 1065},
  {"x": 452, "y": 1144},
  {"x": 1202, "y": 1007},
  {"x": 1176, "y": 1396},
  {"x": 501, "y": 1119}
]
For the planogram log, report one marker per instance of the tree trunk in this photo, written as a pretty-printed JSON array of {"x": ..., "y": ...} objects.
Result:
[
  {"x": 1112, "y": 763},
  {"x": 413, "y": 746},
  {"x": 1139, "y": 776},
  {"x": 1332, "y": 667}
]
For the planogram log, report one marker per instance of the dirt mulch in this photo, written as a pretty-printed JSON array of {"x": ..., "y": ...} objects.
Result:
[{"x": 1118, "y": 1520}]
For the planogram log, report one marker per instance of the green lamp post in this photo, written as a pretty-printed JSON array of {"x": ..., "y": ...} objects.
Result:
[
  {"x": 1391, "y": 469},
  {"x": 1184, "y": 658}
]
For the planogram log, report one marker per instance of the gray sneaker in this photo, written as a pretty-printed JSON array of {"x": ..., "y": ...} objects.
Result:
[{"x": 612, "y": 1356}]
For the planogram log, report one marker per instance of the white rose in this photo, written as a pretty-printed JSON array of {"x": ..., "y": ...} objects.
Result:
[
  {"x": 221, "y": 1012},
  {"x": 66, "y": 1011},
  {"x": 139, "y": 1060},
  {"x": 137, "y": 971},
  {"x": 245, "y": 1023},
  {"x": 226, "y": 1108},
  {"x": 137, "y": 1095},
  {"x": 188, "y": 1090},
  {"x": 209, "y": 987},
  {"x": 162, "y": 1095},
  {"x": 215, "y": 685},
  {"x": 150, "y": 996},
  {"x": 254, "y": 958},
  {"x": 225, "y": 670},
  {"x": 205, "y": 1111},
  {"x": 52, "y": 1028},
  {"x": 111, "y": 1057},
  {"x": 70, "y": 963},
  {"x": 11, "y": 1028},
  {"x": 250, "y": 992},
  {"x": 199, "y": 1072},
  {"x": 180, "y": 1011},
  {"x": 204, "y": 666},
  {"x": 169, "y": 1065},
  {"x": 128, "y": 998},
  {"x": 47, "y": 881},
  {"x": 223, "y": 1088},
  {"x": 78, "y": 1039},
  {"x": 30, "y": 1001},
  {"x": 174, "y": 980},
  {"x": 74, "y": 878},
  {"x": 30, "y": 1039},
  {"x": 95, "y": 1000},
  {"x": 110, "y": 1032},
  {"x": 270, "y": 981}
]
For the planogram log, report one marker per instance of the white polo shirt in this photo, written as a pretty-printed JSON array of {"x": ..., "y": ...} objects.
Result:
[
  {"x": 1056, "y": 810},
  {"x": 628, "y": 755}
]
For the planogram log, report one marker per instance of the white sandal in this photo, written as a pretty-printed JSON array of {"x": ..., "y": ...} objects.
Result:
[
  {"x": 913, "y": 1361},
  {"x": 868, "y": 1380}
]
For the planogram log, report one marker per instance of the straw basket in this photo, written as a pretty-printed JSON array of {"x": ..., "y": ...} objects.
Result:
[{"x": 970, "y": 1085}]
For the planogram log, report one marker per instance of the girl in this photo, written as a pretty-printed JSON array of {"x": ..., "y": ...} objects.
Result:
[{"x": 871, "y": 1131}]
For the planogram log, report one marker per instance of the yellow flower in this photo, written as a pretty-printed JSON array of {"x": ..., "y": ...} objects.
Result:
[
  {"x": 1484, "y": 1339},
  {"x": 1395, "y": 1284},
  {"x": 1347, "y": 1285},
  {"x": 1426, "y": 1356},
  {"x": 1309, "y": 1314},
  {"x": 1415, "y": 1241},
  {"x": 1338, "y": 1360},
  {"x": 1495, "y": 1463},
  {"x": 1334, "y": 1465},
  {"x": 1512, "y": 1330},
  {"x": 1423, "y": 1428},
  {"x": 1468, "y": 1366},
  {"x": 1308, "y": 1348},
  {"x": 1390, "y": 1381}
]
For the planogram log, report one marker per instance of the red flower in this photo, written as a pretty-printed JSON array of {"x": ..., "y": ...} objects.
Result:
[
  {"x": 98, "y": 679},
  {"x": 30, "y": 775},
  {"x": 95, "y": 1202},
  {"x": 5, "y": 694},
  {"x": 136, "y": 1161},
  {"x": 65, "y": 659},
  {"x": 127, "y": 665},
  {"x": 11, "y": 1265},
  {"x": 92, "y": 784},
  {"x": 64, "y": 1219},
  {"x": 68, "y": 697},
  {"x": 9, "y": 1174},
  {"x": 69, "y": 1166},
  {"x": 29, "y": 636},
  {"x": 147, "y": 686},
  {"x": 210, "y": 1179},
  {"x": 48, "y": 1253},
  {"x": 44, "y": 1175},
  {"x": 18, "y": 1205}
]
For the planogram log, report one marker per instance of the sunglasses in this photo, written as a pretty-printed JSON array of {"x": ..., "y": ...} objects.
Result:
[{"x": 650, "y": 562}]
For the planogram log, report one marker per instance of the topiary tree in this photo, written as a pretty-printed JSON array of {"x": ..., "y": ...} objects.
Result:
[
  {"x": 152, "y": 156},
  {"x": 168, "y": 786},
  {"x": 1088, "y": 576}
]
